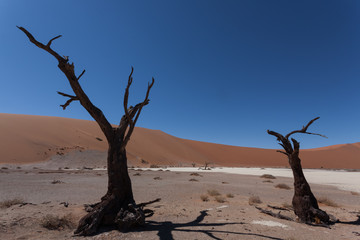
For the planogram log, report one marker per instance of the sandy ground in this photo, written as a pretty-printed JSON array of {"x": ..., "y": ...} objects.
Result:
[{"x": 181, "y": 214}]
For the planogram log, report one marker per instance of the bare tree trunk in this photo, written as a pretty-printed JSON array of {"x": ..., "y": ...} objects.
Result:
[
  {"x": 117, "y": 206},
  {"x": 304, "y": 202}
]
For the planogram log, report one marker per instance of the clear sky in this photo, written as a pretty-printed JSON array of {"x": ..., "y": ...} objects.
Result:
[{"x": 225, "y": 71}]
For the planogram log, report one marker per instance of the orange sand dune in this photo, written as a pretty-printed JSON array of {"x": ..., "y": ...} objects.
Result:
[{"x": 28, "y": 139}]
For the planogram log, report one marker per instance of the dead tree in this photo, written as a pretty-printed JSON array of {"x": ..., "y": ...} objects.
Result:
[
  {"x": 304, "y": 202},
  {"x": 117, "y": 206}
]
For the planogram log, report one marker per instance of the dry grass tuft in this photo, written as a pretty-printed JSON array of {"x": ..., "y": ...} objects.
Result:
[
  {"x": 193, "y": 180},
  {"x": 355, "y": 193},
  {"x": 204, "y": 198},
  {"x": 253, "y": 200},
  {"x": 56, "y": 181},
  {"x": 52, "y": 222},
  {"x": 137, "y": 174},
  {"x": 229, "y": 195},
  {"x": 157, "y": 178},
  {"x": 213, "y": 192},
  {"x": 283, "y": 186},
  {"x": 154, "y": 166},
  {"x": 11, "y": 202},
  {"x": 195, "y": 174},
  {"x": 268, "y": 176},
  {"x": 267, "y": 181},
  {"x": 220, "y": 199},
  {"x": 328, "y": 202}
]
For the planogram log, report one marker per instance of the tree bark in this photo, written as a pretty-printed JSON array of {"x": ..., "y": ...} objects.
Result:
[
  {"x": 117, "y": 206},
  {"x": 304, "y": 202}
]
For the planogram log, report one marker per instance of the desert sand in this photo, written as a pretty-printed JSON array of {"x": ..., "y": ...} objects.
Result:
[
  {"x": 29, "y": 139},
  {"x": 53, "y": 166}
]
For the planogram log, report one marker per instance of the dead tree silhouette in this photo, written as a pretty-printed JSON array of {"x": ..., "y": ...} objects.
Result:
[
  {"x": 117, "y": 206},
  {"x": 304, "y": 202}
]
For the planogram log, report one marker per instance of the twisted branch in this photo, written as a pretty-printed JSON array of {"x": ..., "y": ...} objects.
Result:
[
  {"x": 68, "y": 70},
  {"x": 285, "y": 143},
  {"x": 72, "y": 98},
  {"x": 304, "y": 130}
]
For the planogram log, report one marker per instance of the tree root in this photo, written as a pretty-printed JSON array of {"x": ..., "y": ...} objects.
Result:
[
  {"x": 106, "y": 213},
  {"x": 321, "y": 218},
  {"x": 133, "y": 216}
]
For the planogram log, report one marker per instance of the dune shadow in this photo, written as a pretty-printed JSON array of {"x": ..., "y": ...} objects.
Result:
[{"x": 165, "y": 229}]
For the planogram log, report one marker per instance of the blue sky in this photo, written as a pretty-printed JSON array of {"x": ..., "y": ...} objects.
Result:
[{"x": 225, "y": 71}]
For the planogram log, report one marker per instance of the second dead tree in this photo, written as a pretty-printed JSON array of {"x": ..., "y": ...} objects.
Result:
[{"x": 304, "y": 202}]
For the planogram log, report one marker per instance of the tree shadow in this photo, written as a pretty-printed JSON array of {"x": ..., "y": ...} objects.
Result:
[
  {"x": 165, "y": 229},
  {"x": 356, "y": 222}
]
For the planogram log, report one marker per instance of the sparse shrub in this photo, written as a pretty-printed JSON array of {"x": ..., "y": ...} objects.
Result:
[
  {"x": 66, "y": 168},
  {"x": 193, "y": 180},
  {"x": 204, "y": 198},
  {"x": 11, "y": 202},
  {"x": 224, "y": 182},
  {"x": 18, "y": 167},
  {"x": 267, "y": 181},
  {"x": 213, "y": 192},
  {"x": 253, "y": 200},
  {"x": 354, "y": 193},
  {"x": 157, "y": 178},
  {"x": 160, "y": 170},
  {"x": 137, "y": 174},
  {"x": 220, "y": 199},
  {"x": 328, "y": 202},
  {"x": 154, "y": 166},
  {"x": 268, "y": 176},
  {"x": 195, "y": 174},
  {"x": 4, "y": 168},
  {"x": 229, "y": 195},
  {"x": 143, "y": 161},
  {"x": 56, "y": 181},
  {"x": 52, "y": 222},
  {"x": 193, "y": 164},
  {"x": 282, "y": 186}
]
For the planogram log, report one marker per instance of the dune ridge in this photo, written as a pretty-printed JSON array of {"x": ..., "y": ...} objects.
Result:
[{"x": 30, "y": 139}]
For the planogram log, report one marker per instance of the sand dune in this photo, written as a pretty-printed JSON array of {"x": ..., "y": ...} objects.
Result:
[{"x": 29, "y": 139}]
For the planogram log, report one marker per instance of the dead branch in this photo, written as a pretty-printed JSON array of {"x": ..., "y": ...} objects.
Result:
[
  {"x": 277, "y": 215},
  {"x": 148, "y": 203},
  {"x": 72, "y": 98},
  {"x": 130, "y": 113},
  {"x": 304, "y": 130},
  {"x": 278, "y": 208},
  {"x": 81, "y": 75},
  {"x": 49, "y": 43},
  {"x": 68, "y": 70}
]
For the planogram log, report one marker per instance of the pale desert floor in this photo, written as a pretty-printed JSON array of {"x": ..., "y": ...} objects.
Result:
[{"x": 181, "y": 214}]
